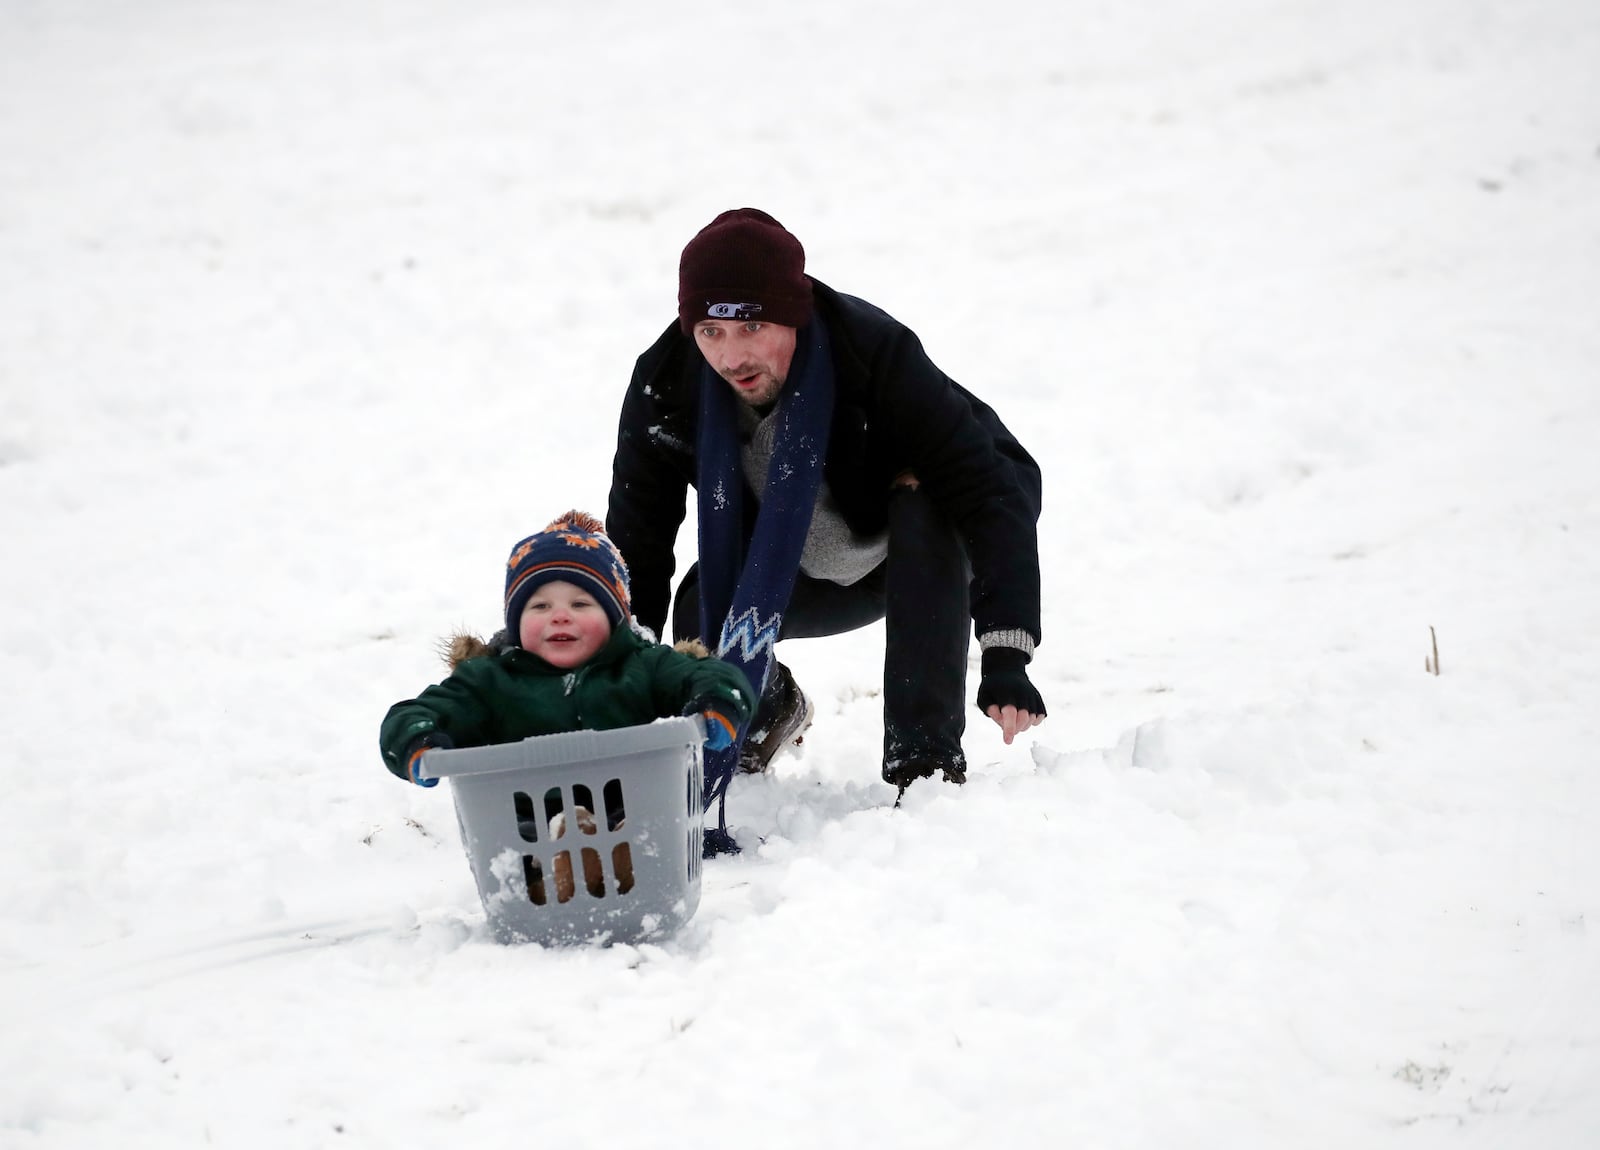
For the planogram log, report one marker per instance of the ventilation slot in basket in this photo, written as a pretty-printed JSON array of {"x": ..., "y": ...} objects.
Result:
[{"x": 533, "y": 875}]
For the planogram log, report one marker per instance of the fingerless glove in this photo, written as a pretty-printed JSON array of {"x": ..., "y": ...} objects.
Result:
[{"x": 1005, "y": 682}]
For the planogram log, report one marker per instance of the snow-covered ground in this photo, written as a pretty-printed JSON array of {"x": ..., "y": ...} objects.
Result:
[{"x": 308, "y": 310}]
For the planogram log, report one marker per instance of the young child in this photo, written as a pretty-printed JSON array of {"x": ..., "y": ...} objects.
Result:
[{"x": 569, "y": 659}]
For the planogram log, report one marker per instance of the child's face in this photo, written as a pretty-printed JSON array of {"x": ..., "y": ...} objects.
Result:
[{"x": 563, "y": 624}]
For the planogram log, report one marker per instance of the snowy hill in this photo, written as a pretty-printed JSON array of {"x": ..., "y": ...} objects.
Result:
[{"x": 311, "y": 310}]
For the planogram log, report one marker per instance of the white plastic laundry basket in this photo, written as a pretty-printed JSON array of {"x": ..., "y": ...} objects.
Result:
[{"x": 625, "y": 868}]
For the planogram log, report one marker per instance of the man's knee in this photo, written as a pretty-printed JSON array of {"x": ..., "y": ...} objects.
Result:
[{"x": 919, "y": 530}]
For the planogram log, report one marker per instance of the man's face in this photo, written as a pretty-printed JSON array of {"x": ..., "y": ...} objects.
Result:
[{"x": 753, "y": 357}]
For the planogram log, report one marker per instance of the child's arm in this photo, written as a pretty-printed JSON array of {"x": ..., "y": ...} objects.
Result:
[
  {"x": 448, "y": 714},
  {"x": 690, "y": 684}
]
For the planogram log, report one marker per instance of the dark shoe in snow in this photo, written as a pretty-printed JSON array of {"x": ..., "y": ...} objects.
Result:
[{"x": 786, "y": 724}]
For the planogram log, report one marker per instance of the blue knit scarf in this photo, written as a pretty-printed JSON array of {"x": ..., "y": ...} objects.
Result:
[{"x": 743, "y": 594}]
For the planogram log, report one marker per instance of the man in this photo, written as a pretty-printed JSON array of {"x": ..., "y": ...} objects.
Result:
[{"x": 841, "y": 478}]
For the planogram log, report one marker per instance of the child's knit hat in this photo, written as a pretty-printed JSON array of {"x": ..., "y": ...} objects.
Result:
[{"x": 573, "y": 549}]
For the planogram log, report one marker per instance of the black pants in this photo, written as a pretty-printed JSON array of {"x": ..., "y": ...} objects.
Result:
[{"x": 921, "y": 593}]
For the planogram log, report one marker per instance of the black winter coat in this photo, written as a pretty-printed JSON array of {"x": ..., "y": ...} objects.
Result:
[{"x": 894, "y": 412}]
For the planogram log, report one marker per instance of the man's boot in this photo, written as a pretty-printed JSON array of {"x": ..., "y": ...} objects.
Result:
[{"x": 781, "y": 720}]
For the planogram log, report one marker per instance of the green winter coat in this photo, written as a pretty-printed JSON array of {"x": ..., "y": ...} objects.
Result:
[{"x": 507, "y": 694}]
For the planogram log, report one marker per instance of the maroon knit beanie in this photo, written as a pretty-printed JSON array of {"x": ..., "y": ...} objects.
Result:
[{"x": 743, "y": 265}]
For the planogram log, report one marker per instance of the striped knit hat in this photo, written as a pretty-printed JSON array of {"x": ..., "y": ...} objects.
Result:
[{"x": 573, "y": 549}]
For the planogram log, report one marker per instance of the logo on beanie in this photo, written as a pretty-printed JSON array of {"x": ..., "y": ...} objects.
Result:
[{"x": 733, "y": 310}]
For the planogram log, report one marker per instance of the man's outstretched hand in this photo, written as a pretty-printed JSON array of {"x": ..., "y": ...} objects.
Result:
[{"x": 1006, "y": 694}]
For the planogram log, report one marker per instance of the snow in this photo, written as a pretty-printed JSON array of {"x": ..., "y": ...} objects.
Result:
[{"x": 312, "y": 309}]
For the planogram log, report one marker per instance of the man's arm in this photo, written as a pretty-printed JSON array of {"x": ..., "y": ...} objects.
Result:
[
  {"x": 973, "y": 468},
  {"x": 990, "y": 487},
  {"x": 649, "y": 478}
]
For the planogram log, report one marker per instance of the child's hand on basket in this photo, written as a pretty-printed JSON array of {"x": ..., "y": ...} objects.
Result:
[
  {"x": 719, "y": 730},
  {"x": 423, "y": 744}
]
